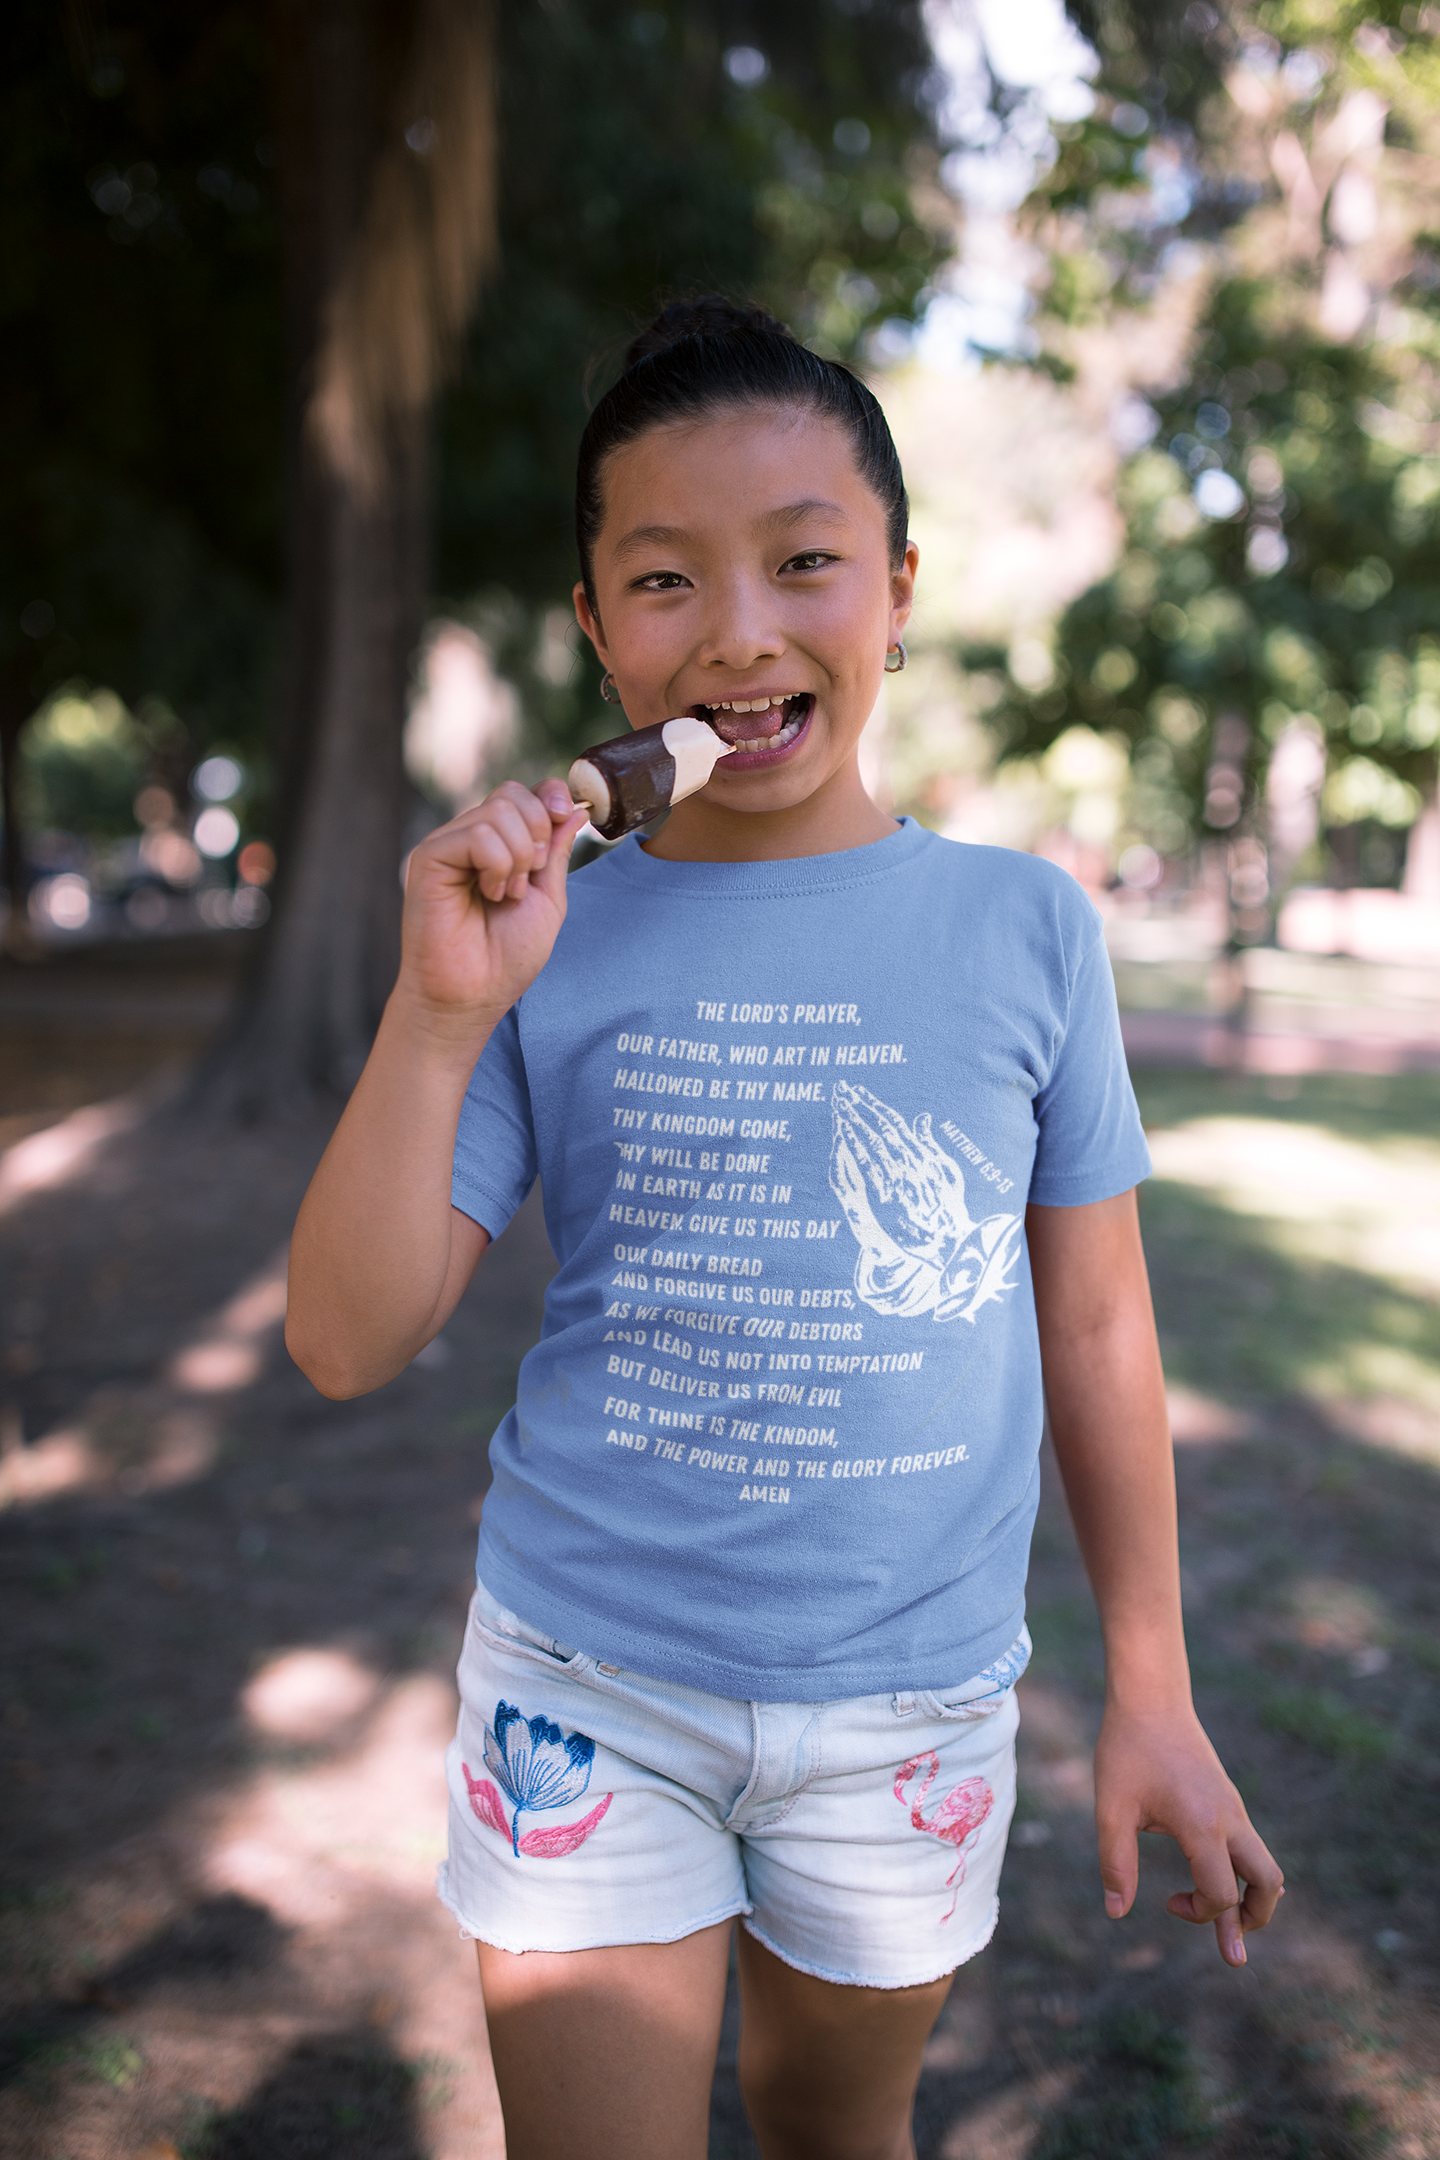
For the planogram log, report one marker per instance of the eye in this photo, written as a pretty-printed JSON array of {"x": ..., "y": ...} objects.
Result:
[
  {"x": 660, "y": 581},
  {"x": 812, "y": 559}
]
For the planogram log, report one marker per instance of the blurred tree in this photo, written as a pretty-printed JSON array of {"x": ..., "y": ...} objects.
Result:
[
  {"x": 710, "y": 143},
  {"x": 288, "y": 216},
  {"x": 387, "y": 159},
  {"x": 141, "y": 378},
  {"x": 1281, "y": 576}
]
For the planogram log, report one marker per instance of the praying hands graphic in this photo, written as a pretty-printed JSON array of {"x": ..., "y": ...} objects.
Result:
[{"x": 904, "y": 1198}]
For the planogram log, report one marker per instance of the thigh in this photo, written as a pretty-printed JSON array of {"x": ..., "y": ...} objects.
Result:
[
  {"x": 829, "y": 2072},
  {"x": 607, "y": 2054}
]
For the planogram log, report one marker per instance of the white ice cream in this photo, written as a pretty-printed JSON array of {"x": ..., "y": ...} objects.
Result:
[{"x": 696, "y": 749}]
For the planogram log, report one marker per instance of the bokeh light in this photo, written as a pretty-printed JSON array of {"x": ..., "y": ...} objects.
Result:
[
  {"x": 216, "y": 779},
  {"x": 154, "y": 808},
  {"x": 216, "y": 830},
  {"x": 1140, "y": 868},
  {"x": 256, "y": 862},
  {"x": 62, "y": 903}
]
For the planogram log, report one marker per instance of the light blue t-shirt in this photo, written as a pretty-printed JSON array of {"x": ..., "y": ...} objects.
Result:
[{"x": 779, "y": 1437}]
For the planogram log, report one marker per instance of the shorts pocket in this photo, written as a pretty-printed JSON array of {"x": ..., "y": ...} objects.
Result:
[
  {"x": 495, "y": 1624},
  {"x": 986, "y": 1693}
]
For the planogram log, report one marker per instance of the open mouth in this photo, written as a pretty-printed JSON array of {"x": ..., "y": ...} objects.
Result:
[{"x": 761, "y": 726}]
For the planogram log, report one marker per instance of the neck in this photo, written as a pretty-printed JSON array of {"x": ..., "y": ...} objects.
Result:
[{"x": 838, "y": 815}]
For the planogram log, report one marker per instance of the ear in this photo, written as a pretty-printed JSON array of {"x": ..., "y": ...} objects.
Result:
[
  {"x": 902, "y": 590},
  {"x": 590, "y": 623}
]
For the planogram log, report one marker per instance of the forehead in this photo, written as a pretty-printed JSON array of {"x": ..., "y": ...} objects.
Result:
[{"x": 750, "y": 466}]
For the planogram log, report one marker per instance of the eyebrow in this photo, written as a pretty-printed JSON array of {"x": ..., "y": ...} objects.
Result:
[{"x": 641, "y": 537}]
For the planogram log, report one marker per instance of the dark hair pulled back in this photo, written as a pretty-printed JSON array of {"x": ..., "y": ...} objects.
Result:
[{"x": 701, "y": 356}]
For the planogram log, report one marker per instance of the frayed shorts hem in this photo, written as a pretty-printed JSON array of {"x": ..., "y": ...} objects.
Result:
[
  {"x": 494, "y": 1938},
  {"x": 953, "y": 1961}
]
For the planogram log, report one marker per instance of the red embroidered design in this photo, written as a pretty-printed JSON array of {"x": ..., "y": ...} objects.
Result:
[
  {"x": 554, "y": 1844},
  {"x": 487, "y": 1807},
  {"x": 957, "y": 1818}
]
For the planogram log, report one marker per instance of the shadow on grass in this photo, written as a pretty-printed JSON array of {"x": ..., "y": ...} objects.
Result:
[
  {"x": 221, "y": 1939},
  {"x": 1358, "y": 1106},
  {"x": 337, "y": 2096}
]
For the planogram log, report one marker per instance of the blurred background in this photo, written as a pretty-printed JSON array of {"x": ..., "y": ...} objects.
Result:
[{"x": 303, "y": 308}]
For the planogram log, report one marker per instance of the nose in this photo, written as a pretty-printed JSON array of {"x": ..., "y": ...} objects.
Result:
[{"x": 740, "y": 626}]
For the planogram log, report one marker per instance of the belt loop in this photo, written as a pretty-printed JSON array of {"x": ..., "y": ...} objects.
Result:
[{"x": 904, "y": 1704}]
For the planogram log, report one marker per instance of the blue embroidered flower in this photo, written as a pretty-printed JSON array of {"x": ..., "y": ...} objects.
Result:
[{"x": 537, "y": 1765}]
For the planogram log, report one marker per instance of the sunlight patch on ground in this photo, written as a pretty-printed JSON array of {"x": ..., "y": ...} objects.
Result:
[
  {"x": 343, "y": 1851},
  {"x": 308, "y": 1695},
  {"x": 1393, "y": 1424},
  {"x": 1361, "y": 1340},
  {"x": 149, "y": 1438},
  {"x": 1375, "y": 1208},
  {"x": 229, "y": 1351},
  {"x": 175, "y": 1446},
  {"x": 1195, "y": 1417},
  {"x": 62, "y": 1152},
  {"x": 1348, "y": 1619}
]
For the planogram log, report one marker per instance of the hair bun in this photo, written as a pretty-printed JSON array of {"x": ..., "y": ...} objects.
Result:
[{"x": 709, "y": 315}]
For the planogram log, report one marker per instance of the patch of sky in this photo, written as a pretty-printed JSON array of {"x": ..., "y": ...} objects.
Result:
[{"x": 1006, "y": 73}]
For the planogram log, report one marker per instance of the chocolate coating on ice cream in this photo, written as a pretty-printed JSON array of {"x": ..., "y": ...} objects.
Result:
[{"x": 631, "y": 779}]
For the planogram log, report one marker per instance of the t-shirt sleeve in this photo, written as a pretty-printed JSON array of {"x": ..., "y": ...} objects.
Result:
[
  {"x": 1091, "y": 1144},
  {"x": 495, "y": 1163}
]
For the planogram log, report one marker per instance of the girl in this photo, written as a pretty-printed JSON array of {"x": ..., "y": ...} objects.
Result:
[{"x": 838, "y": 1152}]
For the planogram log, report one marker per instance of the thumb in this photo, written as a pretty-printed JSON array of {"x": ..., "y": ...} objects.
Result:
[
  {"x": 1119, "y": 1867},
  {"x": 566, "y": 831}
]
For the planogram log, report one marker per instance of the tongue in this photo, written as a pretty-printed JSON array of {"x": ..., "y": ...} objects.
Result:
[{"x": 734, "y": 727}]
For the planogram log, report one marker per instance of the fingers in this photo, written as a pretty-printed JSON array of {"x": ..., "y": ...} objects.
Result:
[
  {"x": 513, "y": 841},
  {"x": 1264, "y": 1883},
  {"x": 1219, "y": 1868},
  {"x": 513, "y": 835},
  {"x": 1160, "y": 1774},
  {"x": 1119, "y": 1866}
]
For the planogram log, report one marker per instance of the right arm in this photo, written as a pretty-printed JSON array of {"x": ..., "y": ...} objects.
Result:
[{"x": 379, "y": 1257}]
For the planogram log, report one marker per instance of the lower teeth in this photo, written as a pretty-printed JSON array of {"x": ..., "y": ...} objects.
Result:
[{"x": 787, "y": 734}]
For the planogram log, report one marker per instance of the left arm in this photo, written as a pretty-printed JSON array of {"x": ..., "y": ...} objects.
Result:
[{"x": 1154, "y": 1767}]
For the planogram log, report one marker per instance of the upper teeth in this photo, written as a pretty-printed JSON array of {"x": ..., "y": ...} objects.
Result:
[{"x": 759, "y": 704}]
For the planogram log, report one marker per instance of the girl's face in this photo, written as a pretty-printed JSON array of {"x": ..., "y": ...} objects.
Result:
[{"x": 743, "y": 562}]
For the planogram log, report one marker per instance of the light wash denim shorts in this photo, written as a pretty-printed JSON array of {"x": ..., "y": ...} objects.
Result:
[{"x": 860, "y": 1841}]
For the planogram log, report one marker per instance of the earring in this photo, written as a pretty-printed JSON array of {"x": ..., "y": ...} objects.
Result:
[
  {"x": 895, "y": 658},
  {"x": 608, "y": 690}
]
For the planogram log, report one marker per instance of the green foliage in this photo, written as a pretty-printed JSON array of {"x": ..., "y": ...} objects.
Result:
[
  {"x": 1282, "y": 548},
  {"x": 1321, "y": 595},
  {"x": 144, "y": 380},
  {"x": 83, "y": 761}
]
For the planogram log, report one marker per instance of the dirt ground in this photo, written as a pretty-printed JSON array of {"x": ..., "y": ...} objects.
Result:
[{"x": 230, "y": 1613}]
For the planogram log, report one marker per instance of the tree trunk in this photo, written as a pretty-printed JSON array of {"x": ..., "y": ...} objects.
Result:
[
  {"x": 328, "y": 965},
  {"x": 377, "y": 234}
]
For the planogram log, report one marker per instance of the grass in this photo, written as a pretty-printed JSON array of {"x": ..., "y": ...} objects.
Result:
[
  {"x": 41, "y": 2056},
  {"x": 1324, "y": 1721},
  {"x": 1142, "y": 2097}
]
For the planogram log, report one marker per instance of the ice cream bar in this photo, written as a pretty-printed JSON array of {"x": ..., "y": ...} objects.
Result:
[{"x": 629, "y": 781}]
